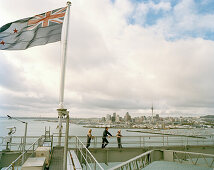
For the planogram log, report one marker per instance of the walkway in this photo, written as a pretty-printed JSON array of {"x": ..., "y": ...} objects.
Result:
[
  {"x": 165, "y": 165},
  {"x": 57, "y": 158}
]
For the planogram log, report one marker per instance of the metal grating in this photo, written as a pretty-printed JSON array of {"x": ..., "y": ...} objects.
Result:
[{"x": 57, "y": 158}]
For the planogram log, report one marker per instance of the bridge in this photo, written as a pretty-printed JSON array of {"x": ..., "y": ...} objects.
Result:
[{"x": 138, "y": 152}]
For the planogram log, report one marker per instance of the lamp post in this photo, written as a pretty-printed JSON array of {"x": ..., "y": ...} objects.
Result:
[{"x": 24, "y": 140}]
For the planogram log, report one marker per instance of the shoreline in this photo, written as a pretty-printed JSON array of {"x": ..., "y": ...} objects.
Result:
[
  {"x": 122, "y": 127},
  {"x": 167, "y": 134}
]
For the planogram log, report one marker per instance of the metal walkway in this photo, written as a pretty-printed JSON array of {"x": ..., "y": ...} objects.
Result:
[
  {"x": 164, "y": 165},
  {"x": 132, "y": 147},
  {"x": 57, "y": 158},
  {"x": 168, "y": 160}
]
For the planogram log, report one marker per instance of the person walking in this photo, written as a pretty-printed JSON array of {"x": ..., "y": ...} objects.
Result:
[
  {"x": 105, "y": 134},
  {"x": 89, "y": 137},
  {"x": 119, "y": 138}
]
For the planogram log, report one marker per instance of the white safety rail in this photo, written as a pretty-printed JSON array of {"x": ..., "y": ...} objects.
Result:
[
  {"x": 86, "y": 158},
  {"x": 88, "y": 161},
  {"x": 17, "y": 142},
  {"x": 150, "y": 140},
  {"x": 127, "y": 141},
  {"x": 136, "y": 163},
  {"x": 199, "y": 159},
  {"x": 141, "y": 141},
  {"x": 145, "y": 159},
  {"x": 29, "y": 152},
  {"x": 182, "y": 157}
]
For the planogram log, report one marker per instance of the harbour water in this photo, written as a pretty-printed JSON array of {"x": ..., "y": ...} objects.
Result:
[{"x": 36, "y": 127}]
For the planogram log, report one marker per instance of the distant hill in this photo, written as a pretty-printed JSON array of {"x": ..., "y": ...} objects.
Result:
[{"x": 208, "y": 117}]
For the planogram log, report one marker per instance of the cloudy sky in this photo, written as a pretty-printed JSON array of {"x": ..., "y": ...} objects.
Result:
[{"x": 123, "y": 55}]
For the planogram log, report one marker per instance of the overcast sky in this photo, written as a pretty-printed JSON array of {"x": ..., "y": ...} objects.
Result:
[{"x": 123, "y": 55}]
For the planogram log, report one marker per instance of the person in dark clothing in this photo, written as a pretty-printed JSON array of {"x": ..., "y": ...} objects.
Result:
[
  {"x": 104, "y": 140},
  {"x": 89, "y": 137},
  {"x": 119, "y": 139}
]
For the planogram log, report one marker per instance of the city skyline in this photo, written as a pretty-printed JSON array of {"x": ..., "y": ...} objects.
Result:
[
  {"x": 121, "y": 115},
  {"x": 123, "y": 56}
]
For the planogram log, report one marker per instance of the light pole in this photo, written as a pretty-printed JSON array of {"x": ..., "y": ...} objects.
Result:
[{"x": 24, "y": 140}]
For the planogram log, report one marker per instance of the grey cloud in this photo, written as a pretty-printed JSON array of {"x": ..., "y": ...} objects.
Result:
[
  {"x": 10, "y": 76},
  {"x": 110, "y": 70}
]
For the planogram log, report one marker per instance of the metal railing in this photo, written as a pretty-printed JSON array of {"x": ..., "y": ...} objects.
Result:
[
  {"x": 199, "y": 159},
  {"x": 29, "y": 152},
  {"x": 86, "y": 158},
  {"x": 89, "y": 162},
  {"x": 182, "y": 157},
  {"x": 127, "y": 141},
  {"x": 141, "y": 141},
  {"x": 136, "y": 163},
  {"x": 17, "y": 142}
]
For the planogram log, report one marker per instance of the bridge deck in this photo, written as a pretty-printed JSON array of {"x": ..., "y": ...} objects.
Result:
[
  {"x": 57, "y": 158},
  {"x": 114, "y": 154},
  {"x": 165, "y": 165}
]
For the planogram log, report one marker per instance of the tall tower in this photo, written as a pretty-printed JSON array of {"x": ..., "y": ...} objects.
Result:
[{"x": 152, "y": 113}]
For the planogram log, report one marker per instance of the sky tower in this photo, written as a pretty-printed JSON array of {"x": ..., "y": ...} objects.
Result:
[{"x": 152, "y": 112}]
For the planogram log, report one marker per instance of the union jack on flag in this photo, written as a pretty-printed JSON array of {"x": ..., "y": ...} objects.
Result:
[{"x": 48, "y": 18}]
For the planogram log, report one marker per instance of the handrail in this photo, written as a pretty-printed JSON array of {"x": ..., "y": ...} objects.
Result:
[
  {"x": 194, "y": 153},
  {"x": 87, "y": 151},
  {"x": 178, "y": 156},
  {"x": 127, "y": 141},
  {"x": 134, "y": 160},
  {"x": 142, "y": 141},
  {"x": 152, "y": 135},
  {"x": 20, "y": 156},
  {"x": 146, "y": 158}
]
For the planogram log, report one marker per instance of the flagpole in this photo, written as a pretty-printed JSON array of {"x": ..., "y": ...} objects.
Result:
[
  {"x": 62, "y": 111},
  {"x": 63, "y": 61}
]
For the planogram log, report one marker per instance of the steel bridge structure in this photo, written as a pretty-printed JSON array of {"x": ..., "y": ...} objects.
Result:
[{"x": 137, "y": 151}]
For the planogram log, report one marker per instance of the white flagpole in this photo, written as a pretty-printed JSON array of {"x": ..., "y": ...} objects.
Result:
[
  {"x": 64, "y": 39},
  {"x": 64, "y": 52}
]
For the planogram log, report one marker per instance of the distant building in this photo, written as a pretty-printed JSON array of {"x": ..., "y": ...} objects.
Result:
[
  {"x": 117, "y": 118},
  {"x": 103, "y": 119},
  {"x": 114, "y": 117},
  {"x": 142, "y": 118},
  {"x": 127, "y": 117},
  {"x": 136, "y": 120},
  {"x": 108, "y": 117},
  {"x": 157, "y": 117},
  {"x": 121, "y": 119}
]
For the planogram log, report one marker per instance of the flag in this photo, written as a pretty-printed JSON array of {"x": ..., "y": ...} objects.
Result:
[{"x": 33, "y": 31}]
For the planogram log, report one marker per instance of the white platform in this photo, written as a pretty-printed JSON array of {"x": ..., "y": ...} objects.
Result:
[
  {"x": 44, "y": 151},
  {"x": 36, "y": 163},
  {"x": 73, "y": 161}
]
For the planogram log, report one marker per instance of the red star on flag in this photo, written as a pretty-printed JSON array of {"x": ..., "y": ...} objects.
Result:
[
  {"x": 2, "y": 42},
  {"x": 15, "y": 30}
]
